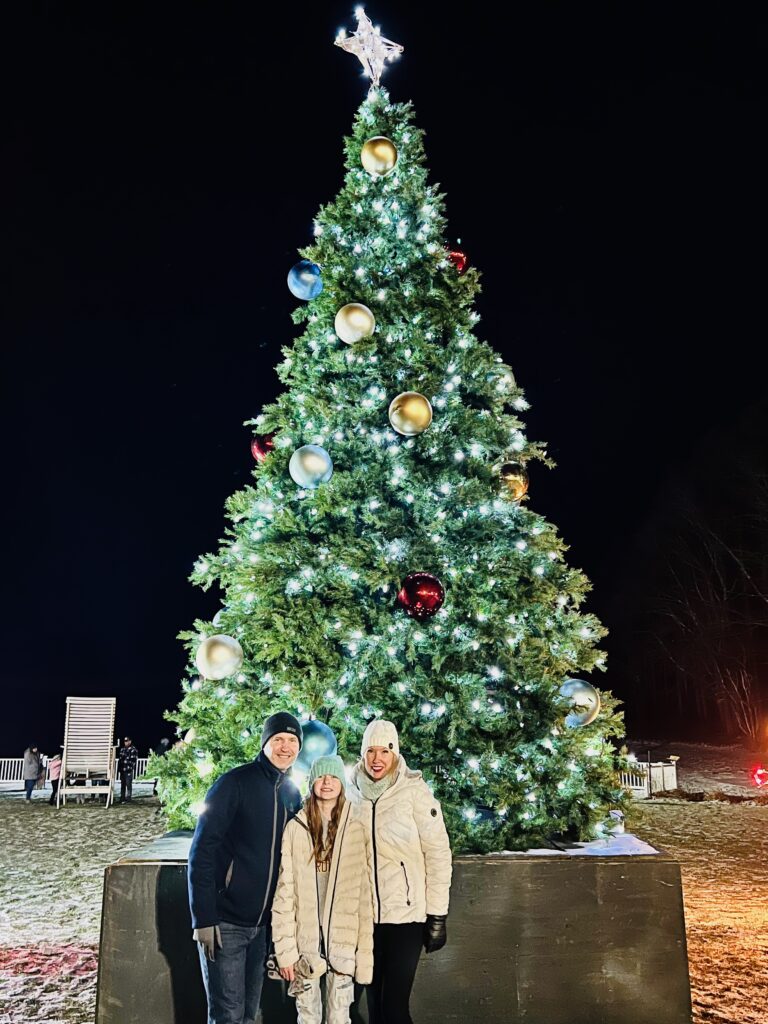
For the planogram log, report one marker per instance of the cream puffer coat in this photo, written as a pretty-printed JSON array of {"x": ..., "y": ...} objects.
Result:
[
  {"x": 348, "y": 917},
  {"x": 412, "y": 862}
]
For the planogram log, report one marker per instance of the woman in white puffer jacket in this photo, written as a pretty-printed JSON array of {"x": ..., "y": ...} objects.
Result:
[
  {"x": 322, "y": 913},
  {"x": 411, "y": 869}
]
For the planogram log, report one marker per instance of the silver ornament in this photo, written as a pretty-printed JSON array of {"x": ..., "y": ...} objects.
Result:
[
  {"x": 218, "y": 656},
  {"x": 584, "y": 701},
  {"x": 310, "y": 466}
]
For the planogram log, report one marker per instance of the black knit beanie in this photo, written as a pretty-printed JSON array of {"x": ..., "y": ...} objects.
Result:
[{"x": 281, "y": 722}]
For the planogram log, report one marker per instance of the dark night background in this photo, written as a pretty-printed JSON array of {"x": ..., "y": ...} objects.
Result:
[{"x": 604, "y": 169}]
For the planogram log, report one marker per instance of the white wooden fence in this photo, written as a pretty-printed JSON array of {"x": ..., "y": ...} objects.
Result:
[
  {"x": 11, "y": 769},
  {"x": 662, "y": 775},
  {"x": 645, "y": 779}
]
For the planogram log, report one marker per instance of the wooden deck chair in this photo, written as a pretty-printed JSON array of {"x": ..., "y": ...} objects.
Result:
[{"x": 88, "y": 747}]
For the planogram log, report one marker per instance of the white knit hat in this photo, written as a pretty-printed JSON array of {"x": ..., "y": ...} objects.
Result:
[{"x": 381, "y": 733}]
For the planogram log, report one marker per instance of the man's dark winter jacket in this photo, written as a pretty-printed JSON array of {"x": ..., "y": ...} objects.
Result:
[
  {"x": 241, "y": 829},
  {"x": 126, "y": 760}
]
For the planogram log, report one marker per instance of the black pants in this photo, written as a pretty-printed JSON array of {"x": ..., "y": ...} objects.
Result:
[
  {"x": 126, "y": 785},
  {"x": 55, "y": 788},
  {"x": 396, "y": 952}
]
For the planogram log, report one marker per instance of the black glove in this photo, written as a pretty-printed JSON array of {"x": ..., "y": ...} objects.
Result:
[{"x": 435, "y": 935}]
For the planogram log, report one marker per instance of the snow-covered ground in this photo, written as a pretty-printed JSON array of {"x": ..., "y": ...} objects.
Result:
[
  {"x": 723, "y": 851},
  {"x": 52, "y": 864},
  {"x": 51, "y": 879}
]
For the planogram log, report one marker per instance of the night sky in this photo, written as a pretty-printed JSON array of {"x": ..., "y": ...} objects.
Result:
[{"x": 603, "y": 168}]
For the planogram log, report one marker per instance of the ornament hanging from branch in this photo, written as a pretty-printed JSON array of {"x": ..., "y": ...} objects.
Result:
[
  {"x": 310, "y": 466},
  {"x": 421, "y": 595},
  {"x": 584, "y": 701},
  {"x": 410, "y": 413},
  {"x": 318, "y": 741},
  {"x": 261, "y": 446},
  {"x": 369, "y": 46},
  {"x": 379, "y": 156},
  {"x": 218, "y": 656},
  {"x": 459, "y": 259},
  {"x": 354, "y": 322},
  {"x": 305, "y": 280},
  {"x": 514, "y": 478}
]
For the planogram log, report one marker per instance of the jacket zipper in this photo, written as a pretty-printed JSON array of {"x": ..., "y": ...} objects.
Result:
[
  {"x": 375, "y": 862},
  {"x": 321, "y": 941},
  {"x": 407, "y": 887},
  {"x": 271, "y": 854}
]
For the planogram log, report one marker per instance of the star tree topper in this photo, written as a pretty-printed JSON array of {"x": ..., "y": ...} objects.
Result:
[{"x": 369, "y": 46}]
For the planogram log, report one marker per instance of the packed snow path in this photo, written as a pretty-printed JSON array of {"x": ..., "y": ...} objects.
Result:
[
  {"x": 723, "y": 851},
  {"x": 52, "y": 867}
]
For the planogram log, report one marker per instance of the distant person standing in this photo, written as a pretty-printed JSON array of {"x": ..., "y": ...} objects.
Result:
[
  {"x": 126, "y": 767},
  {"x": 33, "y": 765},
  {"x": 54, "y": 774}
]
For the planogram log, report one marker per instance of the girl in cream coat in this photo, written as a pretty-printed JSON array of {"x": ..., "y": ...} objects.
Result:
[
  {"x": 411, "y": 869},
  {"x": 322, "y": 914}
]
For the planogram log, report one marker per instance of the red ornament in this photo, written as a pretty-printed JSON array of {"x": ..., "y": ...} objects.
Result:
[
  {"x": 760, "y": 776},
  {"x": 459, "y": 259},
  {"x": 261, "y": 446},
  {"x": 421, "y": 595}
]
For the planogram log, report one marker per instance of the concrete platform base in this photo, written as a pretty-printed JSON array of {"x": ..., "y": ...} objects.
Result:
[{"x": 532, "y": 940}]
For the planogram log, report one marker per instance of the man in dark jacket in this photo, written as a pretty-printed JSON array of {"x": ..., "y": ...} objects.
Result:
[
  {"x": 233, "y": 865},
  {"x": 126, "y": 768}
]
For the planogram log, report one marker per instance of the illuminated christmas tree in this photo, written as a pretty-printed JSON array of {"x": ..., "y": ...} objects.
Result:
[{"x": 386, "y": 561}]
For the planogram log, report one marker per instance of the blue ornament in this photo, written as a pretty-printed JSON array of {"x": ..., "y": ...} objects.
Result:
[
  {"x": 319, "y": 741},
  {"x": 304, "y": 280}
]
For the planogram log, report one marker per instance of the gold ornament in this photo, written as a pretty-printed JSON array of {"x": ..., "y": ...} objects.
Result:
[
  {"x": 218, "y": 656},
  {"x": 354, "y": 322},
  {"x": 379, "y": 156},
  {"x": 410, "y": 413},
  {"x": 514, "y": 477}
]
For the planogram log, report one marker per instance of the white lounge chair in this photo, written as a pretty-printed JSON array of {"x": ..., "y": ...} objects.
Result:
[{"x": 89, "y": 752}]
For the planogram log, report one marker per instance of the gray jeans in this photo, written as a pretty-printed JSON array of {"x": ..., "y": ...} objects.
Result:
[
  {"x": 234, "y": 979},
  {"x": 339, "y": 990}
]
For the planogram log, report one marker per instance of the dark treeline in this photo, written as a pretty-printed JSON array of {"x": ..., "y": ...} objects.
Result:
[{"x": 695, "y": 622}]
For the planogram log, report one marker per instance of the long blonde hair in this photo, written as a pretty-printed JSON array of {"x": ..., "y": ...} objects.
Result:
[{"x": 322, "y": 851}]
